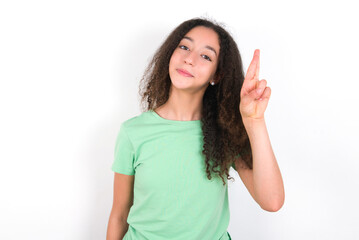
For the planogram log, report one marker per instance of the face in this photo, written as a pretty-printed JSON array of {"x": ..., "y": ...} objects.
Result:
[{"x": 193, "y": 63}]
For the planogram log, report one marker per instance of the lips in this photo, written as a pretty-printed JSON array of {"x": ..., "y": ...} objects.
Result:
[{"x": 184, "y": 73}]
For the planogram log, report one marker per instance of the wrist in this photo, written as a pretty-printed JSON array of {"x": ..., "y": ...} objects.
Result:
[
  {"x": 249, "y": 120},
  {"x": 252, "y": 123}
]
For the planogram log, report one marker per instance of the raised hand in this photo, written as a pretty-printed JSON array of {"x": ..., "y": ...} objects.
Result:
[{"x": 254, "y": 93}]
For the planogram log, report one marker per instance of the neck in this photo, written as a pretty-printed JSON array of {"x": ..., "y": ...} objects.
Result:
[{"x": 182, "y": 106}]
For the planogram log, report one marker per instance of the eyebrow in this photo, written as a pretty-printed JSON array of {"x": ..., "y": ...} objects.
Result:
[{"x": 208, "y": 47}]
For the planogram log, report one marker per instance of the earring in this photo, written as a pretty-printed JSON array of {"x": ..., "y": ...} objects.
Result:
[{"x": 212, "y": 83}]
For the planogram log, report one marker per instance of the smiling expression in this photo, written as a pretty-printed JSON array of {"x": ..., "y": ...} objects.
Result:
[{"x": 193, "y": 63}]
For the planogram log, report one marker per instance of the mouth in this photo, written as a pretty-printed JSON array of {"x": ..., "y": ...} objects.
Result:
[{"x": 184, "y": 73}]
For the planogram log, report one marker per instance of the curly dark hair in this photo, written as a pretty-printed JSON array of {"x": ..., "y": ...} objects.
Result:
[{"x": 224, "y": 136}]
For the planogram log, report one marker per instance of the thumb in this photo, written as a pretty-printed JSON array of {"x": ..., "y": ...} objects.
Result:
[
  {"x": 255, "y": 93},
  {"x": 251, "y": 97}
]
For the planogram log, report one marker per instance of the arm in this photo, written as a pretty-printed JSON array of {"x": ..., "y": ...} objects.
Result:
[
  {"x": 116, "y": 228},
  {"x": 122, "y": 202},
  {"x": 264, "y": 182}
]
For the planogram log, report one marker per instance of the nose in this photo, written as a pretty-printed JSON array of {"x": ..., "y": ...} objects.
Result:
[{"x": 189, "y": 59}]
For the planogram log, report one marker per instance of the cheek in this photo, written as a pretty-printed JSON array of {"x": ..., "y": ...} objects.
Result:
[
  {"x": 176, "y": 54},
  {"x": 173, "y": 64},
  {"x": 206, "y": 69},
  {"x": 174, "y": 58}
]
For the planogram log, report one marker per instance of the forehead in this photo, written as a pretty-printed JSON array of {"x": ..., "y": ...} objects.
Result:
[{"x": 204, "y": 36}]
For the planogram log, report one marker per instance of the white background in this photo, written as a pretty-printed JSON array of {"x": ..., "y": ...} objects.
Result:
[{"x": 69, "y": 74}]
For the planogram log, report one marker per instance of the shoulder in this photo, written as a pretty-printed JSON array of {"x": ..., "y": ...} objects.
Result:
[
  {"x": 138, "y": 125},
  {"x": 136, "y": 120}
]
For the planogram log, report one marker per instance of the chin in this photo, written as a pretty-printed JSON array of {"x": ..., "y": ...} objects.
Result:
[
  {"x": 180, "y": 81},
  {"x": 180, "y": 85}
]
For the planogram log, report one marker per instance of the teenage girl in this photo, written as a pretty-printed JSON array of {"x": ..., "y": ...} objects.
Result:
[{"x": 202, "y": 116}]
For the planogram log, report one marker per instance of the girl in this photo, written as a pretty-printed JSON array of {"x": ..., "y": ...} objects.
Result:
[{"x": 202, "y": 116}]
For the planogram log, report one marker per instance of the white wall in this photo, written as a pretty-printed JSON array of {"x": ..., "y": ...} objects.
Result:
[{"x": 69, "y": 74}]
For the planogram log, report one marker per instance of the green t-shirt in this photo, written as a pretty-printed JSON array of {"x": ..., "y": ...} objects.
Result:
[{"x": 173, "y": 198}]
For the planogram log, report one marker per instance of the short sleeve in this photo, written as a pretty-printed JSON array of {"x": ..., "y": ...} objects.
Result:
[{"x": 124, "y": 154}]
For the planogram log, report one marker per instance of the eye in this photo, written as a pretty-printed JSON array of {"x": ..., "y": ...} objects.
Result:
[
  {"x": 207, "y": 58},
  {"x": 183, "y": 47}
]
